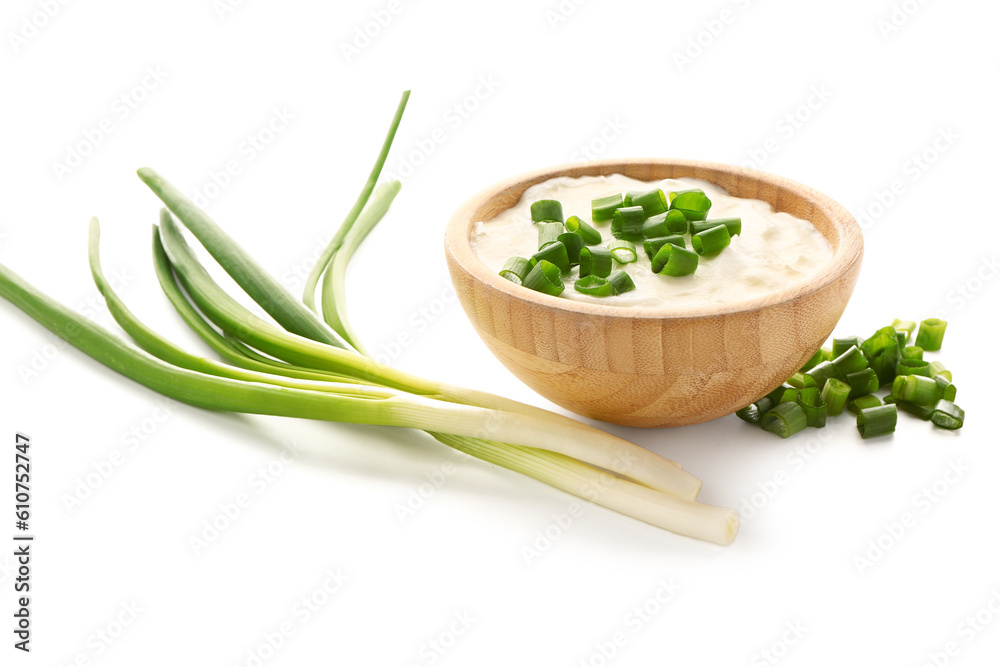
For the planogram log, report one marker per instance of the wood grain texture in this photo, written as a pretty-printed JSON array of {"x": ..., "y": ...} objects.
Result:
[{"x": 652, "y": 367}]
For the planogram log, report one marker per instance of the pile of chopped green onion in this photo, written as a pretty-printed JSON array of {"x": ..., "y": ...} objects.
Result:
[
  {"x": 664, "y": 225},
  {"x": 851, "y": 371},
  {"x": 307, "y": 362}
]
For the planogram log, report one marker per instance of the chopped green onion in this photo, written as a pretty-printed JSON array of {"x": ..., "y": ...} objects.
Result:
[
  {"x": 901, "y": 338},
  {"x": 553, "y": 252},
  {"x": 657, "y": 226},
  {"x": 858, "y": 404},
  {"x": 595, "y": 261},
  {"x": 603, "y": 209},
  {"x": 694, "y": 204},
  {"x": 733, "y": 225},
  {"x": 590, "y": 235},
  {"x": 920, "y": 411},
  {"x": 811, "y": 402},
  {"x": 546, "y": 278},
  {"x": 547, "y": 210},
  {"x": 574, "y": 244},
  {"x": 916, "y": 389},
  {"x": 946, "y": 389},
  {"x": 877, "y": 421},
  {"x": 863, "y": 382},
  {"x": 516, "y": 269},
  {"x": 672, "y": 260},
  {"x": 623, "y": 251},
  {"x": 904, "y": 325},
  {"x": 798, "y": 380},
  {"x": 821, "y": 372},
  {"x": 621, "y": 281},
  {"x": 883, "y": 353},
  {"x": 785, "y": 393},
  {"x": 711, "y": 241},
  {"x": 937, "y": 368},
  {"x": 626, "y": 223},
  {"x": 913, "y": 352},
  {"x": 548, "y": 232},
  {"x": 594, "y": 286},
  {"x": 785, "y": 419},
  {"x": 813, "y": 360},
  {"x": 677, "y": 223},
  {"x": 753, "y": 412},
  {"x": 653, "y": 202},
  {"x": 653, "y": 245},
  {"x": 851, "y": 361},
  {"x": 841, "y": 345},
  {"x": 835, "y": 395},
  {"x": 931, "y": 334},
  {"x": 948, "y": 415},
  {"x": 913, "y": 367},
  {"x": 828, "y": 354}
]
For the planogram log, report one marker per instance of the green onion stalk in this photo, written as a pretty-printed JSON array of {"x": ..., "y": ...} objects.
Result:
[{"x": 307, "y": 362}]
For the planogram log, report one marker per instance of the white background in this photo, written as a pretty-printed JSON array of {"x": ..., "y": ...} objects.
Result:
[{"x": 535, "y": 85}]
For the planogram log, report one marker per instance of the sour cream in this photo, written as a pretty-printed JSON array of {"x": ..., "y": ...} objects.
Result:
[{"x": 773, "y": 251}]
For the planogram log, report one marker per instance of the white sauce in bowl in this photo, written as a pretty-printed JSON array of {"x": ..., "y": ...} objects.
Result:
[{"x": 773, "y": 251}]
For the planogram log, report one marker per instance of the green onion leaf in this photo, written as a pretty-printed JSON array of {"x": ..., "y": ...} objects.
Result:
[
  {"x": 653, "y": 202},
  {"x": 626, "y": 223},
  {"x": 873, "y": 422},
  {"x": 547, "y": 210},
  {"x": 883, "y": 352},
  {"x": 621, "y": 281},
  {"x": 835, "y": 395},
  {"x": 904, "y": 325},
  {"x": 574, "y": 244},
  {"x": 812, "y": 404},
  {"x": 784, "y": 420},
  {"x": 813, "y": 360},
  {"x": 548, "y": 232},
  {"x": 654, "y": 244},
  {"x": 798, "y": 380},
  {"x": 595, "y": 261},
  {"x": 516, "y": 270},
  {"x": 858, "y": 404},
  {"x": 694, "y": 203},
  {"x": 851, "y": 361},
  {"x": 931, "y": 334},
  {"x": 913, "y": 367},
  {"x": 913, "y": 352},
  {"x": 841, "y": 345},
  {"x": 672, "y": 260},
  {"x": 546, "y": 278},
  {"x": 916, "y": 389},
  {"x": 590, "y": 235},
  {"x": 733, "y": 225},
  {"x": 555, "y": 253},
  {"x": 938, "y": 368},
  {"x": 948, "y": 415},
  {"x": 623, "y": 251},
  {"x": 603, "y": 208},
  {"x": 711, "y": 241},
  {"x": 821, "y": 372},
  {"x": 863, "y": 382},
  {"x": 594, "y": 286},
  {"x": 753, "y": 412}
]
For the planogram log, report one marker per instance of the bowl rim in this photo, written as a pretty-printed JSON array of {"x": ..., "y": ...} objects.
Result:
[{"x": 849, "y": 248}]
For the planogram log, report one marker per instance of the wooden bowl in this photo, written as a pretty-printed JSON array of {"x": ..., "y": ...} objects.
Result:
[{"x": 648, "y": 366}]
